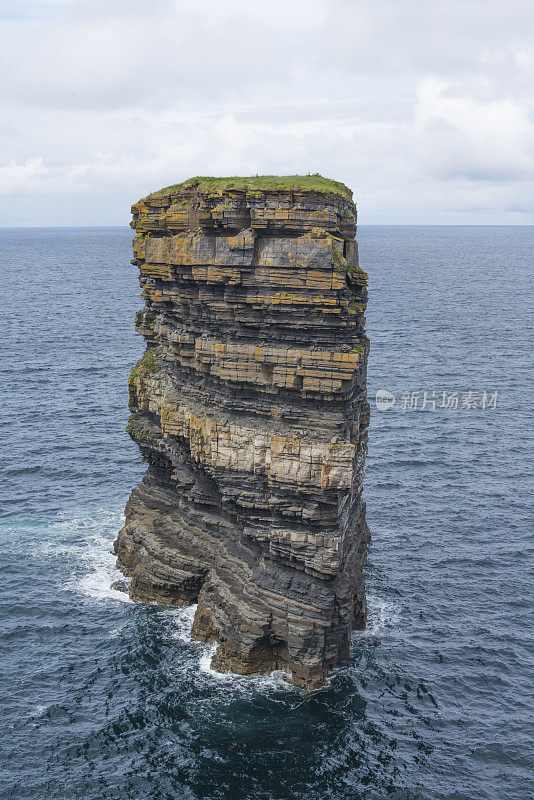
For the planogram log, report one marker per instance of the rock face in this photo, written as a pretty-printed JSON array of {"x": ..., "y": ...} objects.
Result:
[{"x": 250, "y": 408}]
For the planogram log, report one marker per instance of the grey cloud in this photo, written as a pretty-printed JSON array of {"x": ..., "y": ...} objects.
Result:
[{"x": 423, "y": 108}]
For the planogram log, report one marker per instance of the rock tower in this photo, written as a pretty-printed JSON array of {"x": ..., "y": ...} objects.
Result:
[{"x": 249, "y": 407}]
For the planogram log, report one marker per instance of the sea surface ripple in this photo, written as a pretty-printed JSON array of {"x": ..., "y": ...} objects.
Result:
[{"x": 105, "y": 699}]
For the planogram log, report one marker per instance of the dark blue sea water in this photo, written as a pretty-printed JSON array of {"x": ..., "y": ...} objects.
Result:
[{"x": 104, "y": 699}]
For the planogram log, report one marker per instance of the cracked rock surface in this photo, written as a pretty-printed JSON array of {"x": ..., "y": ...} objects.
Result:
[{"x": 249, "y": 407}]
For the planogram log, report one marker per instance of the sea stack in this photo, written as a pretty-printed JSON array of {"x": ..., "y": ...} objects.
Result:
[{"x": 249, "y": 407}]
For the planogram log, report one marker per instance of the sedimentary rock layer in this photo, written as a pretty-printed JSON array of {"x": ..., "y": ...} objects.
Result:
[{"x": 250, "y": 409}]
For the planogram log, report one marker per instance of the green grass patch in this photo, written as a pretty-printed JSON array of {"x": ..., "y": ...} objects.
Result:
[
  {"x": 257, "y": 184},
  {"x": 339, "y": 261},
  {"x": 146, "y": 366}
]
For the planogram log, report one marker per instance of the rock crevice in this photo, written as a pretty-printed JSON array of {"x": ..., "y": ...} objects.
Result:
[{"x": 249, "y": 407}]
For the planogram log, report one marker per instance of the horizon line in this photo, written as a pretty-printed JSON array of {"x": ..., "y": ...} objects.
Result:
[{"x": 362, "y": 224}]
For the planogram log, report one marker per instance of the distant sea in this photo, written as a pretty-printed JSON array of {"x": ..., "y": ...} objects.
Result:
[{"x": 104, "y": 699}]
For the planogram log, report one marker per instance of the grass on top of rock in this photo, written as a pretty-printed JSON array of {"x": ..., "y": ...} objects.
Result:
[
  {"x": 258, "y": 183},
  {"x": 146, "y": 366}
]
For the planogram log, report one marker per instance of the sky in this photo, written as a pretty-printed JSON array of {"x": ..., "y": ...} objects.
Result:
[{"x": 424, "y": 108}]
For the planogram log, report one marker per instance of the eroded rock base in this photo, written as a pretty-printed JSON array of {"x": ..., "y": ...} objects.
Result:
[{"x": 264, "y": 615}]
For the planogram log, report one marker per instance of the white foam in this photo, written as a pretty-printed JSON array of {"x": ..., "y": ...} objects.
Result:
[
  {"x": 97, "y": 584},
  {"x": 182, "y": 622},
  {"x": 38, "y": 710},
  {"x": 116, "y": 632},
  {"x": 204, "y": 664},
  {"x": 99, "y": 562},
  {"x": 382, "y": 615},
  {"x": 277, "y": 679},
  {"x": 93, "y": 560}
]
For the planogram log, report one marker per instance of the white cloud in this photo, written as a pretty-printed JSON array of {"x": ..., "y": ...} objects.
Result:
[
  {"x": 473, "y": 138},
  {"x": 423, "y": 109}
]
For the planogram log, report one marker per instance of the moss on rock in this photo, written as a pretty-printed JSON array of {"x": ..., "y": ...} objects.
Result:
[
  {"x": 257, "y": 184},
  {"x": 147, "y": 365}
]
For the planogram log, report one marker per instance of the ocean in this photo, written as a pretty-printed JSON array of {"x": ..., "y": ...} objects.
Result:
[{"x": 106, "y": 699}]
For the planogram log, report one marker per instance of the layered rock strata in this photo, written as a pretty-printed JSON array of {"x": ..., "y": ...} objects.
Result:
[{"x": 249, "y": 407}]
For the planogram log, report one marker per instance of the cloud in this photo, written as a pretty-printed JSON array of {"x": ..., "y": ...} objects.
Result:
[
  {"x": 473, "y": 137},
  {"x": 423, "y": 109}
]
